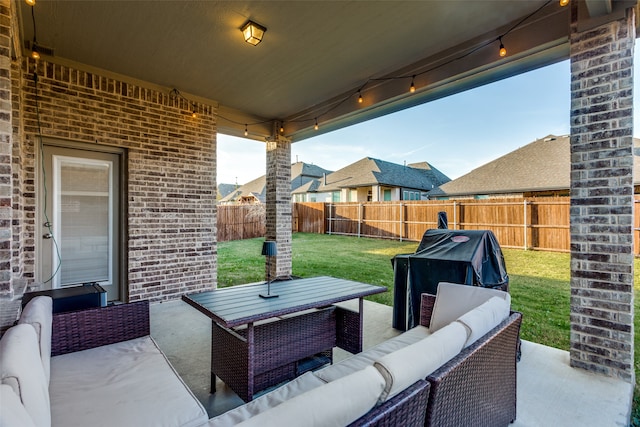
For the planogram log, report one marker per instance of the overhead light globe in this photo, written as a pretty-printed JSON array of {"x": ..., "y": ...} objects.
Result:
[{"x": 253, "y": 32}]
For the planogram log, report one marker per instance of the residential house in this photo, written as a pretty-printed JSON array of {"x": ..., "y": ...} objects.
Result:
[
  {"x": 225, "y": 189},
  {"x": 371, "y": 179},
  {"x": 540, "y": 168},
  {"x": 255, "y": 191}
]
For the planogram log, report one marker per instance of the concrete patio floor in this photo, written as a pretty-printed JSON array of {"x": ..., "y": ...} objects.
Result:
[{"x": 550, "y": 392}]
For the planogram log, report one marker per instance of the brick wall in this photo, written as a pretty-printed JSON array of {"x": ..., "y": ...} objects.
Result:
[
  {"x": 171, "y": 166},
  {"x": 278, "y": 206},
  {"x": 602, "y": 197},
  {"x": 6, "y": 147}
]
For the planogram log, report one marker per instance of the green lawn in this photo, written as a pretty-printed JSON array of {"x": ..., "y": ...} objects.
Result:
[{"x": 539, "y": 281}]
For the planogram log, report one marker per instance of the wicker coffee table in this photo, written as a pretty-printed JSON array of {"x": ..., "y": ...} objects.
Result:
[{"x": 257, "y": 342}]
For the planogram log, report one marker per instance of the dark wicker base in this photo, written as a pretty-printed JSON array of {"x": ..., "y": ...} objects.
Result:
[
  {"x": 407, "y": 409},
  {"x": 478, "y": 386},
  {"x": 95, "y": 327},
  {"x": 276, "y": 352}
]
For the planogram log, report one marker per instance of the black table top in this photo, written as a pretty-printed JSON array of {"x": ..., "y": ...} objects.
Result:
[{"x": 239, "y": 305}]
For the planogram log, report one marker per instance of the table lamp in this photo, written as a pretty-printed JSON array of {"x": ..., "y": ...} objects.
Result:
[{"x": 269, "y": 249}]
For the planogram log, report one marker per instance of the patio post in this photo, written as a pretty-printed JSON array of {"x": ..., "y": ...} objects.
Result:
[
  {"x": 278, "y": 206},
  {"x": 602, "y": 199},
  {"x": 8, "y": 222}
]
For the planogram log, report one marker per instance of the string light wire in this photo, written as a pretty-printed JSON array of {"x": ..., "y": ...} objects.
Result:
[{"x": 358, "y": 93}]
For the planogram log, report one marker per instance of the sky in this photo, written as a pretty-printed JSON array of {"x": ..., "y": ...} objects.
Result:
[{"x": 455, "y": 134}]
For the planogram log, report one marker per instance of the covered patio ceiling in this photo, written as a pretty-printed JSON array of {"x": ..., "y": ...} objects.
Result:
[{"x": 315, "y": 56}]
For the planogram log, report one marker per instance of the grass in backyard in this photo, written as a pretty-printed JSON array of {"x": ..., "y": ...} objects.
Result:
[{"x": 539, "y": 281}]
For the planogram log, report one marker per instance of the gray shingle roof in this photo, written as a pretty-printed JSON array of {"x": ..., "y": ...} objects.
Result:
[
  {"x": 301, "y": 173},
  {"x": 225, "y": 189},
  {"x": 309, "y": 187},
  {"x": 369, "y": 171},
  {"x": 539, "y": 166}
]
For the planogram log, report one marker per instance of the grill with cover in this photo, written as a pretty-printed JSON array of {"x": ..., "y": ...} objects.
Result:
[{"x": 471, "y": 257}]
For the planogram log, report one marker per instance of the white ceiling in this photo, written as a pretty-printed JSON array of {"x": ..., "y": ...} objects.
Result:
[{"x": 315, "y": 54}]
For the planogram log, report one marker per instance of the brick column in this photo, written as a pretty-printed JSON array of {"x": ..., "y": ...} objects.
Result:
[
  {"x": 6, "y": 150},
  {"x": 602, "y": 197},
  {"x": 278, "y": 209}
]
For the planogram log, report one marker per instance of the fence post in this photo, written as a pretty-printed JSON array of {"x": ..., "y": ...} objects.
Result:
[
  {"x": 401, "y": 216},
  {"x": 330, "y": 217},
  {"x": 525, "y": 223},
  {"x": 455, "y": 215},
  {"x": 359, "y": 218}
]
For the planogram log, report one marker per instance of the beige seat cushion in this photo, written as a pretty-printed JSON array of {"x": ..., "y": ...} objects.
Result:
[
  {"x": 129, "y": 383},
  {"x": 452, "y": 301},
  {"x": 288, "y": 391},
  {"x": 404, "y": 367},
  {"x": 39, "y": 313},
  {"x": 337, "y": 403}
]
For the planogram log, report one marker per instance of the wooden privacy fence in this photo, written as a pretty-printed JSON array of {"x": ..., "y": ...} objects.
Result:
[
  {"x": 540, "y": 223},
  {"x": 531, "y": 223},
  {"x": 237, "y": 222}
]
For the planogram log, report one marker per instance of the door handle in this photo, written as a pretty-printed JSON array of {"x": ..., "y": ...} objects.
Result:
[{"x": 47, "y": 236}]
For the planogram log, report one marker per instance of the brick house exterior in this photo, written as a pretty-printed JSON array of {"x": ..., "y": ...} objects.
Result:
[{"x": 170, "y": 211}]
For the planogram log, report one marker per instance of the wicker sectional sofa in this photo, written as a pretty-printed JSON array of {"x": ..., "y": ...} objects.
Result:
[
  {"x": 101, "y": 367},
  {"x": 462, "y": 356},
  {"x": 95, "y": 367}
]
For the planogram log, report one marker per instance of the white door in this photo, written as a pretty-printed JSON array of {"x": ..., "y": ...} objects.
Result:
[{"x": 79, "y": 219}]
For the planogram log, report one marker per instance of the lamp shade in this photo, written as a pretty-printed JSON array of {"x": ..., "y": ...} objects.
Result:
[
  {"x": 253, "y": 32},
  {"x": 269, "y": 248}
]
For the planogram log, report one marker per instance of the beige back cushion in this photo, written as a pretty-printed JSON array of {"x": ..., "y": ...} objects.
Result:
[
  {"x": 39, "y": 313},
  {"x": 483, "y": 318},
  {"x": 404, "y": 367},
  {"x": 13, "y": 412},
  {"x": 21, "y": 368},
  {"x": 453, "y": 300}
]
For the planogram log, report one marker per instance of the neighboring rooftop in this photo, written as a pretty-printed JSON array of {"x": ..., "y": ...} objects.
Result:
[
  {"x": 543, "y": 165},
  {"x": 226, "y": 189},
  {"x": 301, "y": 174},
  {"x": 369, "y": 171}
]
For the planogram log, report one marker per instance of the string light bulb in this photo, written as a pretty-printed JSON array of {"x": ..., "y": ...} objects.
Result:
[
  {"x": 360, "y": 100},
  {"x": 316, "y": 125},
  {"x": 246, "y": 131},
  {"x": 194, "y": 112},
  {"x": 30, "y": 2},
  {"x": 281, "y": 127},
  {"x": 503, "y": 50},
  {"x": 35, "y": 54},
  {"x": 563, "y": 3},
  {"x": 412, "y": 88}
]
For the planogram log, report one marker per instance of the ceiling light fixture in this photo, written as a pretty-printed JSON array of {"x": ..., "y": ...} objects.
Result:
[
  {"x": 30, "y": 2},
  {"x": 360, "y": 100},
  {"x": 412, "y": 88},
  {"x": 253, "y": 32},
  {"x": 281, "y": 127},
  {"x": 562, "y": 2},
  {"x": 246, "y": 131},
  {"x": 316, "y": 125}
]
